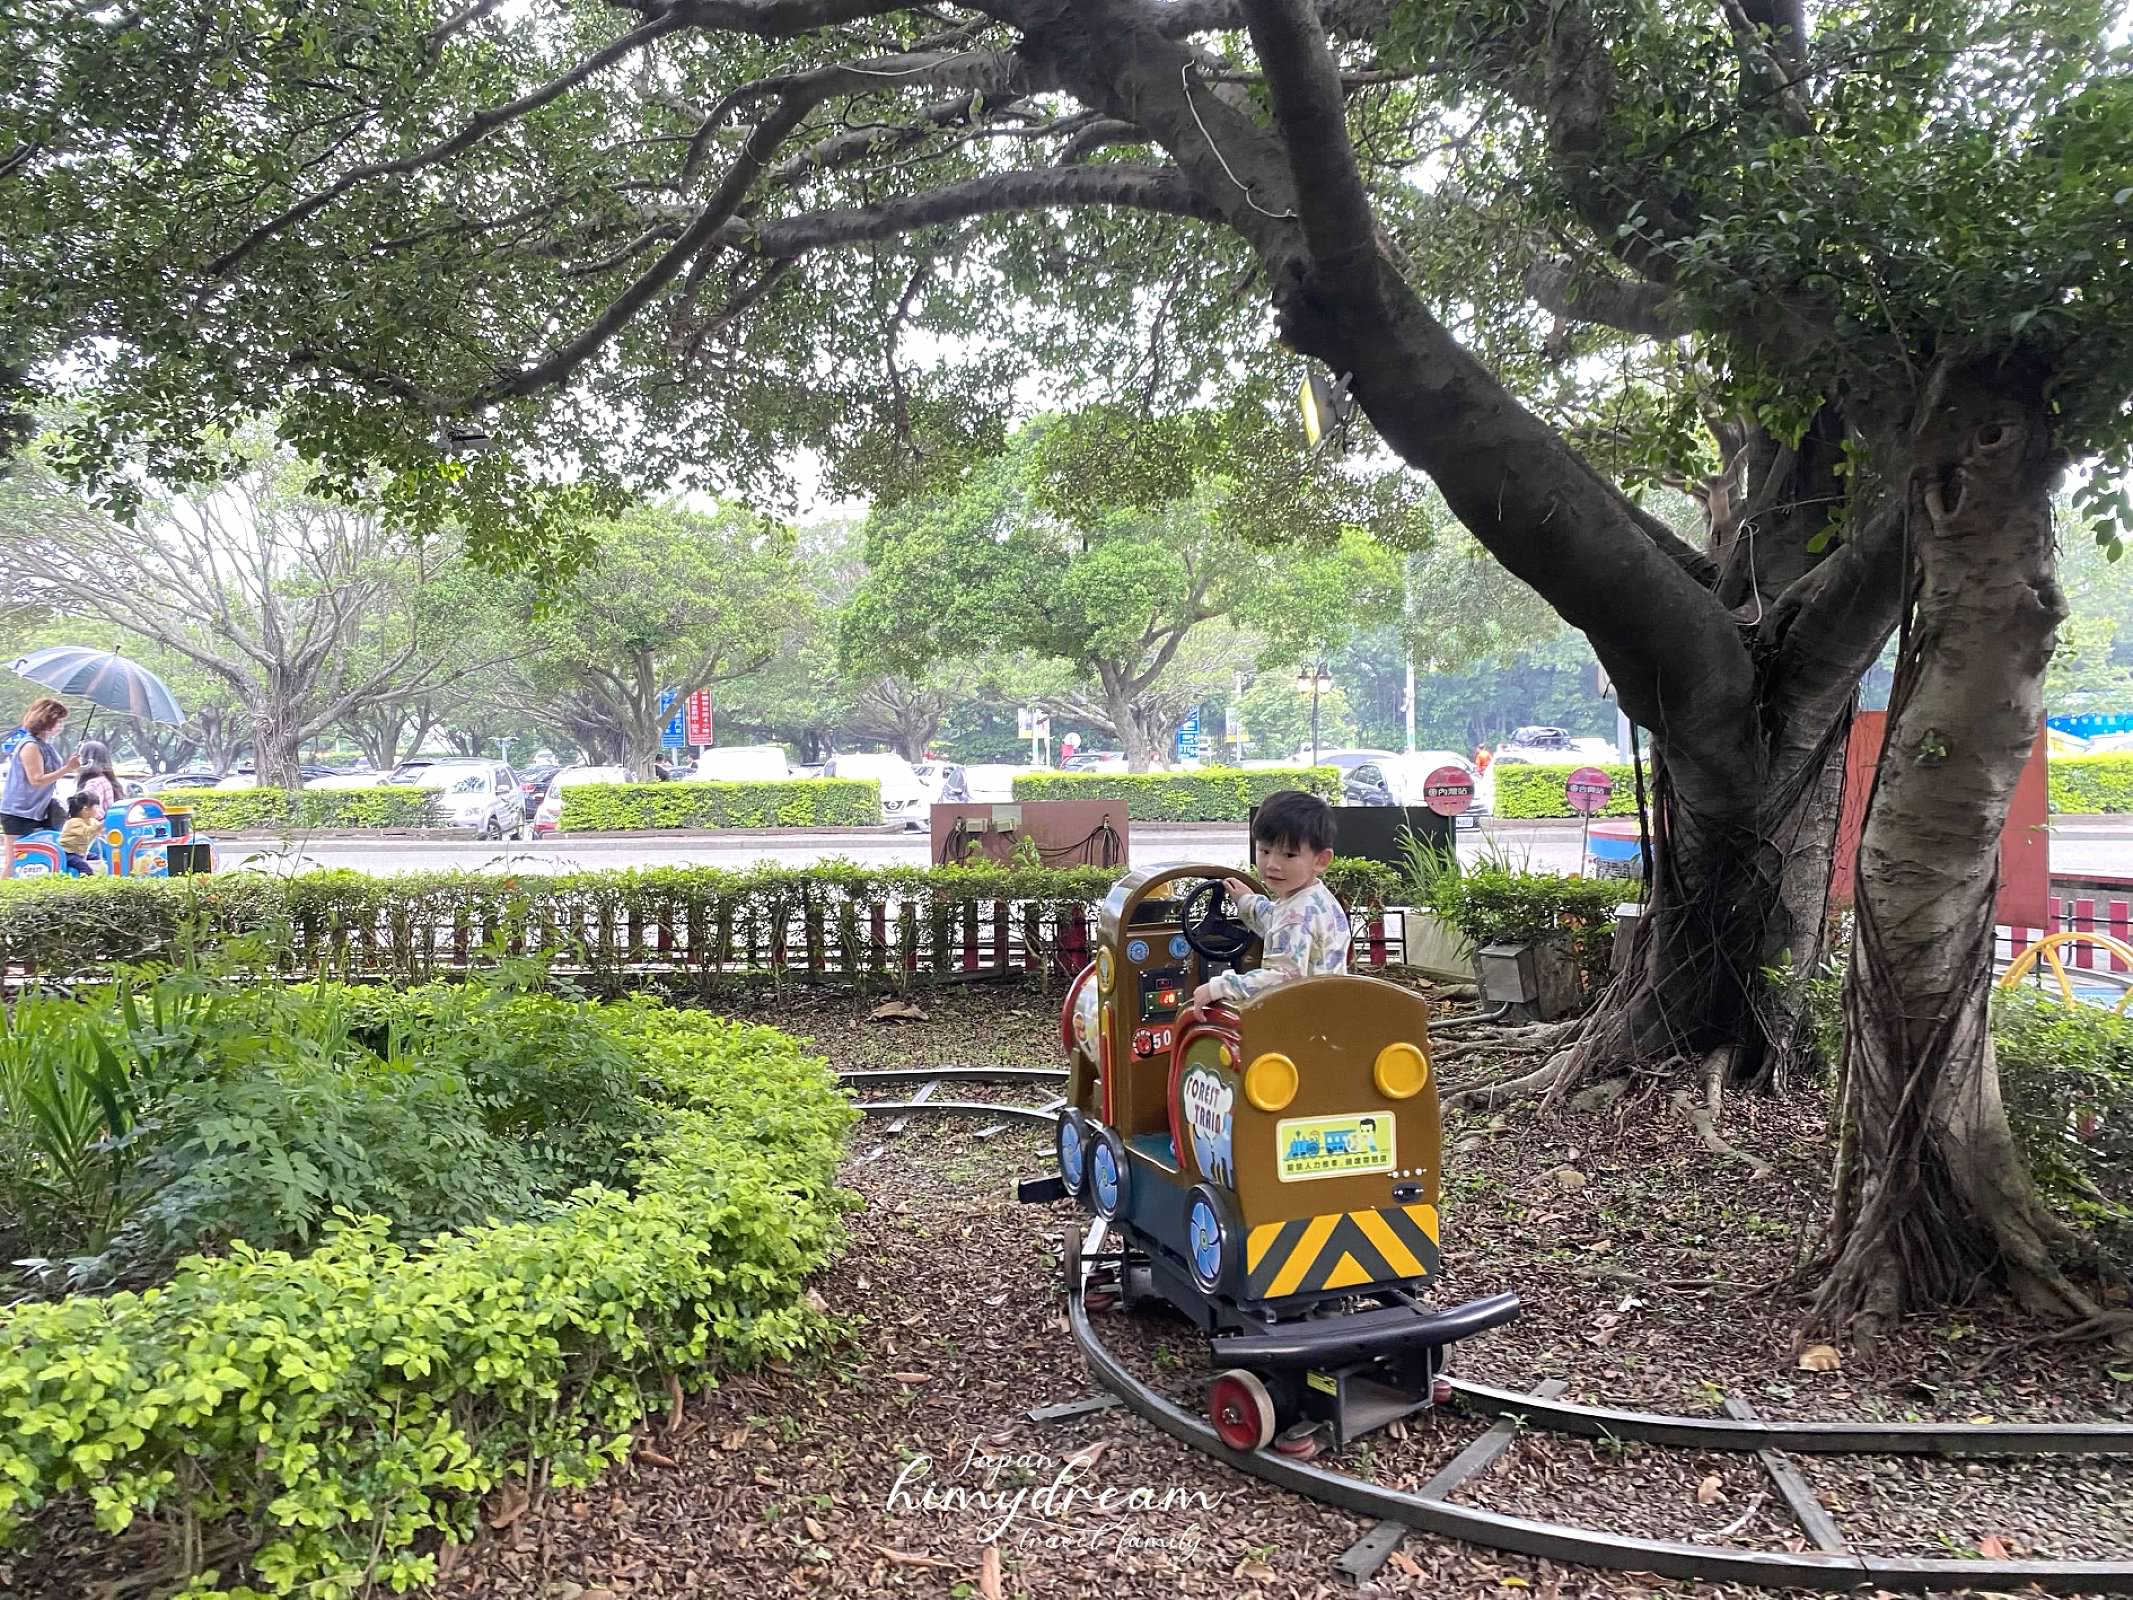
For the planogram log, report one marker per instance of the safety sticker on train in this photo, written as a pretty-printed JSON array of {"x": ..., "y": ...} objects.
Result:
[{"x": 1333, "y": 1147}]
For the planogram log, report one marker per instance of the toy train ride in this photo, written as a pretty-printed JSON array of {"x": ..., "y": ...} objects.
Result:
[
  {"x": 1272, "y": 1171},
  {"x": 141, "y": 839}
]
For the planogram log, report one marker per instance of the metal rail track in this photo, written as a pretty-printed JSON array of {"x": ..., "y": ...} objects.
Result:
[
  {"x": 934, "y": 1077},
  {"x": 1832, "y": 1566}
]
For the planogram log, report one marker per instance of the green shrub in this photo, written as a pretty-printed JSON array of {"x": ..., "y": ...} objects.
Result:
[
  {"x": 692, "y": 921},
  {"x": 794, "y": 803},
  {"x": 2066, "y": 1075},
  {"x": 274, "y": 810},
  {"x": 1211, "y": 794},
  {"x": 343, "y": 1406},
  {"x": 1488, "y": 902},
  {"x": 2091, "y": 785},
  {"x": 1524, "y": 791}
]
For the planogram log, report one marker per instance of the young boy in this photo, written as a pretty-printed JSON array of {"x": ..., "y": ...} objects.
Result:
[
  {"x": 1302, "y": 929},
  {"x": 77, "y": 837}
]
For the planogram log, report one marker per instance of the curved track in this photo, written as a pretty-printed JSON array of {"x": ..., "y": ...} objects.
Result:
[{"x": 1833, "y": 1567}]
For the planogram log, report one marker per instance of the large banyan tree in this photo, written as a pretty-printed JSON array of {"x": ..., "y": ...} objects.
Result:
[{"x": 1863, "y": 286}]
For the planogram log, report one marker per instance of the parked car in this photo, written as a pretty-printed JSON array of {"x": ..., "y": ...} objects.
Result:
[
  {"x": 904, "y": 799},
  {"x": 946, "y": 783},
  {"x": 472, "y": 793},
  {"x": 347, "y": 780},
  {"x": 548, "y": 814},
  {"x": 1411, "y": 772},
  {"x": 743, "y": 763},
  {"x": 190, "y": 778},
  {"x": 533, "y": 784},
  {"x": 992, "y": 782},
  {"x": 248, "y": 777},
  {"x": 1346, "y": 760},
  {"x": 1365, "y": 784},
  {"x": 1096, "y": 761}
]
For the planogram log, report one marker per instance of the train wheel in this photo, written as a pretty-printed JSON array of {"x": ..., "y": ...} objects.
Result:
[
  {"x": 1108, "y": 1174},
  {"x": 1241, "y": 1410},
  {"x": 1070, "y": 1144},
  {"x": 1210, "y": 1237}
]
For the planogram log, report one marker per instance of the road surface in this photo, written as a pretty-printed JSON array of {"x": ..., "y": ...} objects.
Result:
[{"x": 2083, "y": 845}]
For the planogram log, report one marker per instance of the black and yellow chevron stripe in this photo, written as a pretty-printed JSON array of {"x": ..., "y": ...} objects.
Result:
[{"x": 1340, "y": 1250}]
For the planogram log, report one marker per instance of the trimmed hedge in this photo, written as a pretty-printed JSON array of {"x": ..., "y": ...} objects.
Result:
[
  {"x": 1529, "y": 791},
  {"x": 2079, "y": 786},
  {"x": 345, "y": 1404},
  {"x": 793, "y": 803},
  {"x": 685, "y": 920},
  {"x": 1211, "y": 794},
  {"x": 691, "y": 921},
  {"x": 1487, "y": 903},
  {"x": 255, "y": 810},
  {"x": 2091, "y": 785}
]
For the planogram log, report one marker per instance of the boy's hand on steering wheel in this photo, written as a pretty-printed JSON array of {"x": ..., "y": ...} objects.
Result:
[{"x": 1239, "y": 891}]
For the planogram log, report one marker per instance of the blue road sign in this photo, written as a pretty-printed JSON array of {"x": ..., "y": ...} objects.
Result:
[
  {"x": 670, "y": 737},
  {"x": 1189, "y": 737}
]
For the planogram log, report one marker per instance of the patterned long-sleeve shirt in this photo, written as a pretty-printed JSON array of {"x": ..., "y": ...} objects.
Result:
[{"x": 1304, "y": 935}]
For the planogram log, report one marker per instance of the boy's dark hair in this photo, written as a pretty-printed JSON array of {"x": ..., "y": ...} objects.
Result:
[
  {"x": 78, "y": 805},
  {"x": 1294, "y": 820}
]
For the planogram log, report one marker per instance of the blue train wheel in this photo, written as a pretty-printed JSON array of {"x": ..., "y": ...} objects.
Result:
[
  {"x": 1071, "y": 1146},
  {"x": 1210, "y": 1238},
  {"x": 1108, "y": 1175}
]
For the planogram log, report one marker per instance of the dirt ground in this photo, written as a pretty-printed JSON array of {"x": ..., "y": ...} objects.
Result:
[{"x": 1652, "y": 1273}]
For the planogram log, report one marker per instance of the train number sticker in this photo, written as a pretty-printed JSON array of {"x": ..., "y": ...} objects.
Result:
[
  {"x": 1149, "y": 1041},
  {"x": 1333, "y": 1147}
]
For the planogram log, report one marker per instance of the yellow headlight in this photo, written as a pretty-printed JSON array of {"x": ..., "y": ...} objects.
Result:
[
  {"x": 1402, "y": 1071},
  {"x": 1270, "y": 1082}
]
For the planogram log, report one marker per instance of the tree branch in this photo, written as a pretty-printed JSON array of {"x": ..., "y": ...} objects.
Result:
[
  {"x": 483, "y": 124},
  {"x": 1311, "y": 112},
  {"x": 1631, "y": 306},
  {"x": 1142, "y": 188}
]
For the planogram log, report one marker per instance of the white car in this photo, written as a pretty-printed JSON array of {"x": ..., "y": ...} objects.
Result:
[
  {"x": 993, "y": 783},
  {"x": 743, "y": 763},
  {"x": 478, "y": 795},
  {"x": 348, "y": 780},
  {"x": 904, "y": 800},
  {"x": 1411, "y": 773},
  {"x": 548, "y": 817}
]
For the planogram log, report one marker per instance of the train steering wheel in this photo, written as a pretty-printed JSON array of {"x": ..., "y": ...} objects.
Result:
[{"x": 1211, "y": 930}]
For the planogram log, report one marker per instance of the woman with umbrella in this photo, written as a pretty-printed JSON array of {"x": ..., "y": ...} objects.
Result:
[{"x": 33, "y": 772}]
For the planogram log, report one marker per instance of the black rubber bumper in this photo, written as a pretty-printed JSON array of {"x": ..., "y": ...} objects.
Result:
[{"x": 1388, "y": 1330}]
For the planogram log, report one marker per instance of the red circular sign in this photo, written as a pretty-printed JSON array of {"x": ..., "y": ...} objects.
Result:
[
  {"x": 1589, "y": 790},
  {"x": 1449, "y": 791}
]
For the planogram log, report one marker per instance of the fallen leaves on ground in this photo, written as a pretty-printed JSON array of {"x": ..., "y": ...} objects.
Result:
[{"x": 1820, "y": 1358}]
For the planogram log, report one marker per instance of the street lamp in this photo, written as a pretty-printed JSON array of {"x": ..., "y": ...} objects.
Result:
[{"x": 1313, "y": 681}]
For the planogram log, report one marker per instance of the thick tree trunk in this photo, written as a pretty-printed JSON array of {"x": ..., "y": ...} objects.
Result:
[
  {"x": 1125, "y": 720},
  {"x": 1741, "y": 864},
  {"x": 1931, "y": 1186},
  {"x": 276, "y": 749}
]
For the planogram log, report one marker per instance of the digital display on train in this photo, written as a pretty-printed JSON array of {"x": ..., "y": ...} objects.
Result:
[{"x": 1163, "y": 994}]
